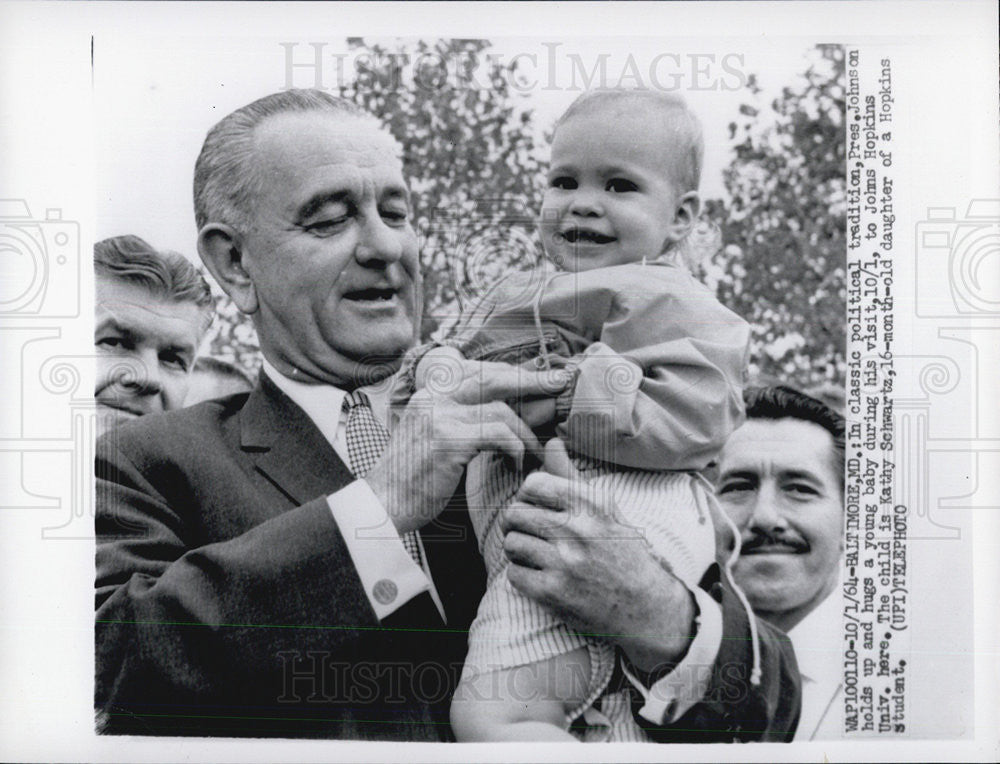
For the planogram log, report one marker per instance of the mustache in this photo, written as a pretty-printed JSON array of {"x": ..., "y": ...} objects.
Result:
[{"x": 759, "y": 538}]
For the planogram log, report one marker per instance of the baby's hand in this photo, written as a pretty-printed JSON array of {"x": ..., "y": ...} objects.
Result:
[{"x": 537, "y": 412}]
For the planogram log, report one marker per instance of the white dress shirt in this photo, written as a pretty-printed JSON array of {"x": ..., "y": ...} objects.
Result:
[
  {"x": 388, "y": 574},
  {"x": 816, "y": 639}
]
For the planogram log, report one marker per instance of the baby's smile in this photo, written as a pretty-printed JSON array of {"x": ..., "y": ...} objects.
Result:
[{"x": 585, "y": 236}]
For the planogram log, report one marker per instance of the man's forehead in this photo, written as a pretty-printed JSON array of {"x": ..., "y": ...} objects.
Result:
[
  {"x": 133, "y": 309},
  {"x": 287, "y": 142},
  {"x": 315, "y": 155},
  {"x": 779, "y": 444}
]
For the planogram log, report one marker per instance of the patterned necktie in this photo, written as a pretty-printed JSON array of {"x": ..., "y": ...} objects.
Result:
[{"x": 366, "y": 440}]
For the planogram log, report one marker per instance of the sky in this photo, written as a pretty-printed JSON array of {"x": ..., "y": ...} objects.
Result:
[{"x": 156, "y": 96}]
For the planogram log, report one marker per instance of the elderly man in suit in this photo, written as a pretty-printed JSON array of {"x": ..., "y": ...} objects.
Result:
[{"x": 274, "y": 564}]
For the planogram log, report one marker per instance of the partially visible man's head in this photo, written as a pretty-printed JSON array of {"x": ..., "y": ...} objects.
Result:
[
  {"x": 151, "y": 310},
  {"x": 304, "y": 220},
  {"x": 781, "y": 480}
]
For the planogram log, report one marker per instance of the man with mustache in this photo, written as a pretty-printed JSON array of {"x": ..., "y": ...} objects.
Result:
[
  {"x": 276, "y": 565},
  {"x": 151, "y": 311},
  {"x": 781, "y": 480}
]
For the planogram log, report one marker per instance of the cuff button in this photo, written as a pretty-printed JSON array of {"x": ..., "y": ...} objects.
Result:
[{"x": 384, "y": 591}]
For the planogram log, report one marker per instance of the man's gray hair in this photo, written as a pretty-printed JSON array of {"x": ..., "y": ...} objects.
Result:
[
  {"x": 226, "y": 182},
  {"x": 167, "y": 275}
]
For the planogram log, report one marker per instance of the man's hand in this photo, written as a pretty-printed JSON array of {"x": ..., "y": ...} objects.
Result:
[
  {"x": 444, "y": 369},
  {"x": 571, "y": 552},
  {"x": 442, "y": 428}
]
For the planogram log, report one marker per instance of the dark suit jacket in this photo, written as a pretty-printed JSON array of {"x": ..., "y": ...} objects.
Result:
[{"x": 227, "y": 602}]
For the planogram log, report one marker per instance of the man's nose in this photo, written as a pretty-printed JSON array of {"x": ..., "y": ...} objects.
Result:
[
  {"x": 378, "y": 242},
  {"x": 766, "y": 514},
  {"x": 139, "y": 374}
]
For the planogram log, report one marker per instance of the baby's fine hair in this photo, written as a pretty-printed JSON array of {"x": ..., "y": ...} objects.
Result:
[{"x": 678, "y": 119}]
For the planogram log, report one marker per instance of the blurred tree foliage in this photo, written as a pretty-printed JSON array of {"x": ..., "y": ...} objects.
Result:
[
  {"x": 475, "y": 169},
  {"x": 784, "y": 263},
  {"x": 469, "y": 155},
  {"x": 232, "y": 336}
]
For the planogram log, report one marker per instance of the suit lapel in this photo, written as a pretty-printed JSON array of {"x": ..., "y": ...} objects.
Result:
[
  {"x": 291, "y": 452},
  {"x": 287, "y": 448},
  {"x": 454, "y": 559}
]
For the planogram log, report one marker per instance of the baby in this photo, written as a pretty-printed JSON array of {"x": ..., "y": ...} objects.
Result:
[{"x": 657, "y": 367}]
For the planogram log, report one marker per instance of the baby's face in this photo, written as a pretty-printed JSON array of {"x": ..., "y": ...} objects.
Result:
[{"x": 609, "y": 198}]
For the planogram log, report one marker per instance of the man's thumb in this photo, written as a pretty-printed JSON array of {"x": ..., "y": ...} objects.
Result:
[{"x": 557, "y": 460}]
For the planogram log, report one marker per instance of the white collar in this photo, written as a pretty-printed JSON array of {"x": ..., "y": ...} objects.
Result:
[
  {"x": 816, "y": 641},
  {"x": 323, "y": 403}
]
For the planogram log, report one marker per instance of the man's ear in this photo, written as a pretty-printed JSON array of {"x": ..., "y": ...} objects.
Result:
[
  {"x": 686, "y": 214},
  {"x": 221, "y": 249}
]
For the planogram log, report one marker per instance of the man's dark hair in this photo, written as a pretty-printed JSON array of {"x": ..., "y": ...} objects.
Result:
[
  {"x": 783, "y": 402},
  {"x": 163, "y": 274}
]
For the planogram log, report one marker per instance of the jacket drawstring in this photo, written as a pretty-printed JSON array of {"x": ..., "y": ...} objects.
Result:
[
  {"x": 543, "y": 347},
  {"x": 755, "y": 670}
]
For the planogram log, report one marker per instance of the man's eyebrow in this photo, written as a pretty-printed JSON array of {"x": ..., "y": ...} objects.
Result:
[
  {"x": 316, "y": 202},
  {"x": 801, "y": 474},
  {"x": 182, "y": 349},
  {"x": 742, "y": 474},
  {"x": 111, "y": 323},
  {"x": 396, "y": 192}
]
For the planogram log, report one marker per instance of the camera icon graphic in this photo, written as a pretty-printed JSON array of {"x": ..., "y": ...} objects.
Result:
[
  {"x": 39, "y": 263},
  {"x": 958, "y": 261}
]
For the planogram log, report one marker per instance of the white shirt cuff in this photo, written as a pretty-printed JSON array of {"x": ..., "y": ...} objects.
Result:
[
  {"x": 671, "y": 697},
  {"x": 388, "y": 574}
]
